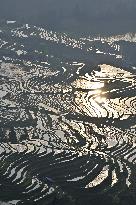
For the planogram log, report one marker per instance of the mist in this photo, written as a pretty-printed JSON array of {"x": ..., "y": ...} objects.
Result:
[{"x": 91, "y": 15}]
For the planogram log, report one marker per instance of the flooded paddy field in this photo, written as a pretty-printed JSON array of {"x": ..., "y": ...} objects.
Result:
[{"x": 67, "y": 117}]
